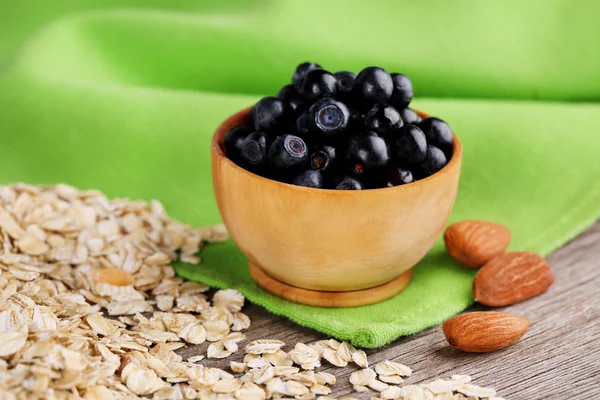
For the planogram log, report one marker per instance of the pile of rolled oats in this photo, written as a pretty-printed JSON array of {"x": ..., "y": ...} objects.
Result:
[{"x": 91, "y": 309}]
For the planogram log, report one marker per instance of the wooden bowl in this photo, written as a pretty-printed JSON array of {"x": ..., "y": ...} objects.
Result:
[{"x": 331, "y": 247}]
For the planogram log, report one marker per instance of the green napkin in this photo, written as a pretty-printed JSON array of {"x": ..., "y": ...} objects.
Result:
[{"x": 126, "y": 100}]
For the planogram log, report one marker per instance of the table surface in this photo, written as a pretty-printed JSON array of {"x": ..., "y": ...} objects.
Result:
[{"x": 559, "y": 358}]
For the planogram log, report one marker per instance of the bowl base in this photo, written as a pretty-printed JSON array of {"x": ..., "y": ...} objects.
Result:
[{"x": 329, "y": 299}]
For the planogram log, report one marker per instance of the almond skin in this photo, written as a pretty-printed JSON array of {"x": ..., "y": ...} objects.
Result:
[
  {"x": 511, "y": 278},
  {"x": 473, "y": 243},
  {"x": 483, "y": 332}
]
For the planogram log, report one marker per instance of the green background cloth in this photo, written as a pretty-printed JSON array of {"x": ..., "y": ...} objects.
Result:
[{"x": 124, "y": 96}]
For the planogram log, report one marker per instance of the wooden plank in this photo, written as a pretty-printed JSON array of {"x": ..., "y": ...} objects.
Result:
[{"x": 559, "y": 358}]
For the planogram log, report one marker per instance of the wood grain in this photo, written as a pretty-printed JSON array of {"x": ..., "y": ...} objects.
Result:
[
  {"x": 328, "y": 237},
  {"x": 558, "y": 359}
]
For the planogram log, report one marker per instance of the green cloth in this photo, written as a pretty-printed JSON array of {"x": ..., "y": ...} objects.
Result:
[{"x": 125, "y": 99}]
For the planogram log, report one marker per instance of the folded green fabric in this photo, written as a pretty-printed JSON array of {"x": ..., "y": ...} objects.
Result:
[{"x": 126, "y": 101}]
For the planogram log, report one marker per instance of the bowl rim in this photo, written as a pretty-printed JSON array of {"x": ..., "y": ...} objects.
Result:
[{"x": 218, "y": 151}]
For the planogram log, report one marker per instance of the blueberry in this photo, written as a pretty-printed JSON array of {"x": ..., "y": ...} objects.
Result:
[
  {"x": 329, "y": 117},
  {"x": 403, "y": 91},
  {"x": 233, "y": 142},
  {"x": 286, "y": 91},
  {"x": 367, "y": 153},
  {"x": 383, "y": 119},
  {"x": 372, "y": 85},
  {"x": 342, "y": 131},
  {"x": 438, "y": 133},
  {"x": 302, "y": 70},
  {"x": 296, "y": 105},
  {"x": 357, "y": 121},
  {"x": 305, "y": 130},
  {"x": 268, "y": 114},
  {"x": 434, "y": 161},
  {"x": 310, "y": 178},
  {"x": 302, "y": 125},
  {"x": 399, "y": 176},
  {"x": 348, "y": 183},
  {"x": 409, "y": 145},
  {"x": 254, "y": 150},
  {"x": 409, "y": 116},
  {"x": 292, "y": 99},
  {"x": 288, "y": 152},
  {"x": 318, "y": 83},
  {"x": 323, "y": 158},
  {"x": 345, "y": 81}
]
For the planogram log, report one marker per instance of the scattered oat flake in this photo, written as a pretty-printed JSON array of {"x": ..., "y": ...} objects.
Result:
[
  {"x": 226, "y": 386},
  {"x": 443, "y": 385},
  {"x": 99, "y": 392},
  {"x": 193, "y": 332},
  {"x": 377, "y": 385},
  {"x": 13, "y": 340},
  {"x": 264, "y": 346},
  {"x": 413, "y": 392},
  {"x": 263, "y": 375},
  {"x": 287, "y": 371},
  {"x": 69, "y": 257},
  {"x": 360, "y": 358},
  {"x": 279, "y": 359},
  {"x": 344, "y": 351},
  {"x": 255, "y": 363},
  {"x": 362, "y": 377},
  {"x": 391, "y": 379},
  {"x": 293, "y": 388},
  {"x": 8, "y": 223},
  {"x": 142, "y": 381},
  {"x": 360, "y": 388},
  {"x": 306, "y": 396},
  {"x": 476, "y": 391},
  {"x": 334, "y": 357},
  {"x": 215, "y": 330},
  {"x": 306, "y": 378},
  {"x": 305, "y": 356},
  {"x": 238, "y": 367},
  {"x": 164, "y": 302},
  {"x": 325, "y": 378},
  {"x": 32, "y": 245},
  {"x": 195, "y": 359},
  {"x": 320, "y": 346},
  {"x": 461, "y": 378},
  {"x": 250, "y": 391},
  {"x": 91, "y": 308},
  {"x": 392, "y": 392},
  {"x": 320, "y": 389},
  {"x": 388, "y": 367},
  {"x": 240, "y": 322},
  {"x": 100, "y": 324},
  {"x": 230, "y": 299},
  {"x": 217, "y": 350}
]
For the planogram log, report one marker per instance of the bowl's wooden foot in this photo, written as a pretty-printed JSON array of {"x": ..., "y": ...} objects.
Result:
[{"x": 329, "y": 299}]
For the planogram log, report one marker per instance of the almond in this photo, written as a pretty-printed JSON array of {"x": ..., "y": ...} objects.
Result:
[
  {"x": 511, "y": 278},
  {"x": 482, "y": 332},
  {"x": 473, "y": 243}
]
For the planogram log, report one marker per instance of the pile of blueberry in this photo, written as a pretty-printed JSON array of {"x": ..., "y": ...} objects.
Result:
[{"x": 341, "y": 131}]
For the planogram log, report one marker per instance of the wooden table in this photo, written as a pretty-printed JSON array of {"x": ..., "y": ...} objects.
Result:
[{"x": 559, "y": 358}]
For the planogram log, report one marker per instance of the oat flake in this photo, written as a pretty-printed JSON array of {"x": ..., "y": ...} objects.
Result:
[{"x": 91, "y": 308}]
